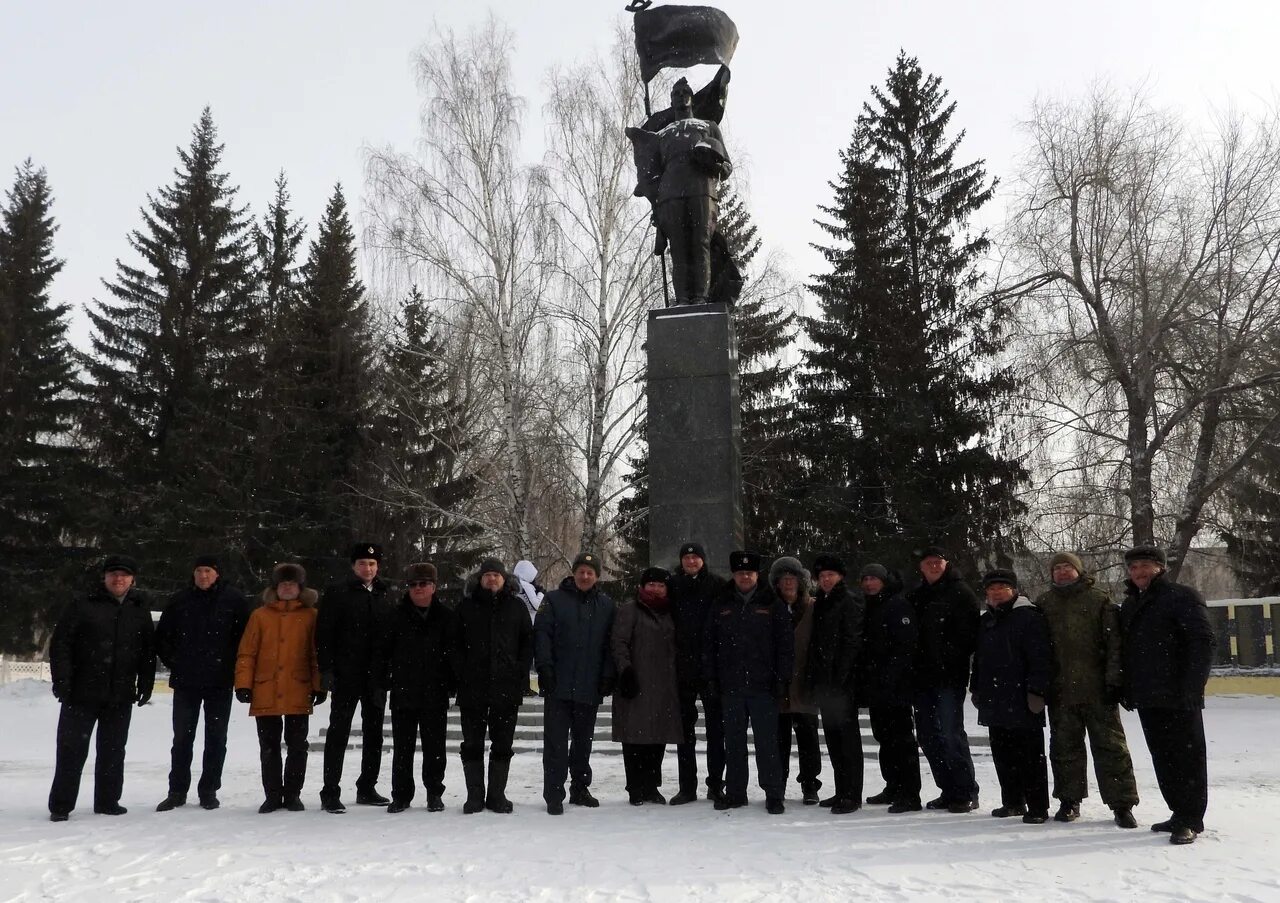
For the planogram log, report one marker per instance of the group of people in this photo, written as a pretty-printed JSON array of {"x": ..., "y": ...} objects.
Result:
[{"x": 780, "y": 656}]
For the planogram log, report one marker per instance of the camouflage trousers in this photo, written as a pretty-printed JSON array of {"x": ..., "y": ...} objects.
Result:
[{"x": 1068, "y": 725}]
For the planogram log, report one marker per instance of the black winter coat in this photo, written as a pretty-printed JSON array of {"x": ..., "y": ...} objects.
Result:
[
  {"x": 415, "y": 661},
  {"x": 199, "y": 634},
  {"x": 946, "y": 615},
  {"x": 690, "y": 605},
  {"x": 835, "y": 643},
  {"x": 1013, "y": 659},
  {"x": 749, "y": 647},
  {"x": 1166, "y": 646},
  {"x": 492, "y": 648},
  {"x": 349, "y": 630},
  {"x": 571, "y": 640},
  {"x": 103, "y": 651},
  {"x": 886, "y": 665}
]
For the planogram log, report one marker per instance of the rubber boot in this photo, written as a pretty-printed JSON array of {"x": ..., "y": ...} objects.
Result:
[
  {"x": 497, "y": 799},
  {"x": 473, "y": 773}
]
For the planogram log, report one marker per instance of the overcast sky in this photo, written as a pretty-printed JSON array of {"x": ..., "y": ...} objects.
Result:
[{"x": 101, "y": 94}]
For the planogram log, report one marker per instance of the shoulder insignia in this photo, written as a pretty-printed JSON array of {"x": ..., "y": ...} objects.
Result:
[{"x": 906, "y": 621}]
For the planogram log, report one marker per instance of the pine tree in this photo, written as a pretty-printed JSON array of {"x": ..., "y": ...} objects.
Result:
[
  {"x": 39, "y": 462},
  {"x": 328, "y": 386},
  {"x": 901, "y": 387},
  {"x": 173, "y": 373},
  {"x": 420, "y": 441}
]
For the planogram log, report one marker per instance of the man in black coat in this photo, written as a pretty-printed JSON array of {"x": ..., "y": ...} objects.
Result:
[
  {"x": 492, "y": 651},
  {"x": 833, "y": 664},
  {"x": 946, "y": 615},
  {"x": 1166, "y": 647},
  {"x": 692, "y": 589},
  {"x": 1010, "y": 681},
  {"x": 349, "y": 626},
  {"x": 748, "y": 658},
  {"x": 575, "y": 673},
  {"x": 197, "y": 639},
  {"x": 102, "y": 656},
  {"x": 415, "y": 665},
  {"x": 885, "y": 670}
]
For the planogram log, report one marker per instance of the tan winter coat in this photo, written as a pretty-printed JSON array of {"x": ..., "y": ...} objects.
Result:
[{"x": 277, "y": 655}]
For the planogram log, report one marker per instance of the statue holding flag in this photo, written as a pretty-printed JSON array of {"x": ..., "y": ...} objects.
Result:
[{"x": 680, "y": 153}]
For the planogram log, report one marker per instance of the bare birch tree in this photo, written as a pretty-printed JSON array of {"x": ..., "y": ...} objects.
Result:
[{"x": 1147, "y": 265}]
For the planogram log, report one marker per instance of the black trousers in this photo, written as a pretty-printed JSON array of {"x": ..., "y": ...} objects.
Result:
[
  {"x": 643, "y": 765},
  {"x": 429, "y": 724},
  {"x": 75, "y": 726},
  {"x": 844, "y": 745},
  {"x": 1176, "y": 740},
  {"x": 342, "y": 709},
  {"x": 187, "y": 704},
  {"x": 283, "y": 779},
  {"x": 687, "y": 224},
  {"x": 498, "y": 721},
  {"x": 805, "y": 726},
  {"x": 1021, "y": 767},
  {"x": 893, "y": 726},
  {"x": 686, "y": 751},
  {"x": 761, "y": 710},
  {"x": 567, "y": 731}
]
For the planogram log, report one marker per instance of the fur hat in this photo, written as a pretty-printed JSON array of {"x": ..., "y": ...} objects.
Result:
[
  {"x": 423, "y": 570},
  {"x": 1066, "y": 558},
  {"x": 745, "y": 561},
  {"x": 589, "y": 560},
  {"x": 788, "y": 565},
  {"x": 492, "y": 565},
  {"x": 1146, "y": 553},
  {"x": 1000, "y": 576},
  {"x": 879, "y": 571},
  {"x": 119, "y": 563},
  {"x": 654, "y": 575},
  {"x": 366, "y": 550},
  {"x": 828, "y": 563},
  {"x": 288, "y": 571}
]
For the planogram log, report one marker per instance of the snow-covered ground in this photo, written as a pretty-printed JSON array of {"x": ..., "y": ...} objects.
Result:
[{"x": 616, "y": 851}]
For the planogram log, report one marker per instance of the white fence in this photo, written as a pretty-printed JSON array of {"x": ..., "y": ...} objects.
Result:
[{"x": 11, "y": 671}]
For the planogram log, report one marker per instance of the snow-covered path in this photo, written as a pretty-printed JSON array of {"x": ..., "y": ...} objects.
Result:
[{"x": 616, "y": 852}]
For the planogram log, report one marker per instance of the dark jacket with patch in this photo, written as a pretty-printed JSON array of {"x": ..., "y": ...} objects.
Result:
[
  {"x": 835, "y": 644},
  {"x": 348, "y": 633},
  {"x": 415, "y": 661},
  {"x": 690, "y": 604},
  {"x": 887, "y": 662},
  {"x": 571, "y": 640},
  {"x": 102, "y": 651},
  {"x": 1012, "y": 660},
  {"x": 946, "y": 615},
  {"x": 492, "y": 648},
  {"x": 1166, "y": 646},
  {"x": 749, "y": 646},
  {"x": 198, "y": 635}
]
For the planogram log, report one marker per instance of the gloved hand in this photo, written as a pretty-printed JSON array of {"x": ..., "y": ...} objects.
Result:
[
  {"x": 60, "y": 691},
  {"x": 780, "y": 689},
  {"x": 628, "y": 683},
  {"x": 546, "y": 682},
  {"x": 1035, "y": 703},
  {"x": 143, "y": 697},
  {"x": 1113, "y": 695},
  {"x": 608, "y": 685},
  {"x": 244, "y": 694},
  {"x": 318, "y": 696},
  {"x": 326, "y": 681}
]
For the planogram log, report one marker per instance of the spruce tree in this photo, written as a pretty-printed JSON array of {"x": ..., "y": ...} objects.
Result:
[
  {"x": 173, "y": 373},
  {"x": 420, "y": 441},
  {"x": 40, "y": 465},
  {"x": 1253, "y": 539},
  {"x": 901, "y": 385},
  {"x": 327, "y": 385}
]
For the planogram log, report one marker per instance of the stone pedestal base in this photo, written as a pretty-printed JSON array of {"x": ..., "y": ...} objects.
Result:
[{"x": 695, "y": 467}]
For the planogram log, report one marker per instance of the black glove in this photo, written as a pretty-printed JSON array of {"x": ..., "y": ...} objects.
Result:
[
  {"x": 244, "y": 694},
  {"x": 143, "y": 697},
  {"x": 59, "y": 691},
  {"x": 326, "y": 681},
  {"x": 1035, "y": 703},
  {"x": 546, "y": 682},
  {"x": 628, "y": 683},
  {"x": 608, "y": 685},
  {"x": 1113, "y": 695},
  {"x": 318, "y": 696}
]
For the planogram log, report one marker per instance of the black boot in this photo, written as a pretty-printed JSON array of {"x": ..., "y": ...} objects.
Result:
[
  {"x": 270, "y": 804},
  {"x": 684, "y": 796},
  {"x": 883, "y": 798},
  {"x": 497, "y": 800},
  {"x": 905, "y": 804},
  {"x": 1068, "y": 811},
  {"x": 172, "y": 801},
  {"x": 435, "y": 803},
  {"x": 1125, "y": 819},
  {"x": 581, "y": 796},
  {"x": 473, "y": 774}
]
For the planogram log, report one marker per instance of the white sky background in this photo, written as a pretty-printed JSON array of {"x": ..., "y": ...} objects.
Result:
[{"x": 101, "y": 94}]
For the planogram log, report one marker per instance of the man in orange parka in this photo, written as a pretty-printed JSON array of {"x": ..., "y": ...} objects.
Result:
[{"x": 278, "y": 674}]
